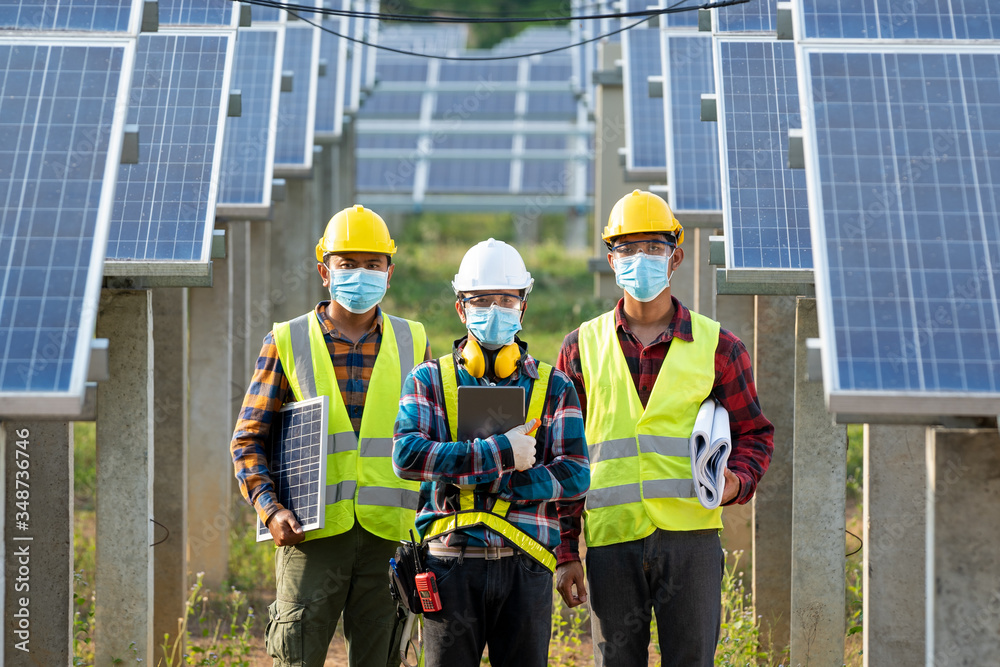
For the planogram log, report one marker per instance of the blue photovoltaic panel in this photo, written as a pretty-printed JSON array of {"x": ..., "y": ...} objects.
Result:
[
  {"x": 551, "y": 106},
  {"x": 391, "y": 104},
  {"x": 165, "y": 205},
  {"x": 329, "y": 88},
  {"x": 385, "y": 174},
  {"x": 296, "y": 109},
  {"x": 686, "y": 19},
  {"x": 693, "y": 145},
  {"x": 544, "y": 176},
  {"x": 914, "y": 19},
  {"x": 57, "y": 124},
  {"x": 470, "y": 105},
  {"x": 265, "y": 14},
  {"x": 248, "y": 145},
  {"x": 470, "y": 175},
  {"x": 394, "y": 68},
  {"x": 754, "y": 16},
  {"x": 906, "y": 195},
  {"x": 766, "y": 212},
  {"x": 87, "y": 15},
  {"x": 644, "y": 114},
  {"x": 297, "y": 463},
  {"x": 196, "y": 12},
  {"x": 407, "y": 141},
  {"x": 472, "y": 142}
]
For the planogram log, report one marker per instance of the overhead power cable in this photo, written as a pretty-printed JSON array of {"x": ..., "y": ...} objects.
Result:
[{"x": 291, "y": 9}]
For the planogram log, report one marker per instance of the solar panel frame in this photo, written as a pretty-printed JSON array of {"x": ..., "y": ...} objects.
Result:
[
  {"x": 44, "y": 19},
  {"x": 868, "y": 20},
  {"x": 780, "y": 263},
  {"x": 296, "y": 132},
  {"x": 234, "y": 144},
  {"x": 682, "y": 116},
  {"x": 904, "y": 403},
  {"x": 317, "y": 439},
  {"x": 175, "y": 271},
  {"x": 51, "y": 400}
]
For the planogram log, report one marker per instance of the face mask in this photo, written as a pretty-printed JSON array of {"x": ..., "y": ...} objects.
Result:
[
  {"x": 358, "y": 290},
  {"x": 642, "y": 276},
  {"x": 493, "y": 325}
]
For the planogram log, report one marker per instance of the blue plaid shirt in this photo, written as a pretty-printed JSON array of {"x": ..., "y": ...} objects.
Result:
[{"x": 423, "y": 451}]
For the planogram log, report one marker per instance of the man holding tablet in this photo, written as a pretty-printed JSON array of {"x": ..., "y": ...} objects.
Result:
[{"x": 488, "y": 504}]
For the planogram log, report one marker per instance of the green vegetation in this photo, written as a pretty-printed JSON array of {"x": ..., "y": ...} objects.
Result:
[{"x": 483, "y": 35}]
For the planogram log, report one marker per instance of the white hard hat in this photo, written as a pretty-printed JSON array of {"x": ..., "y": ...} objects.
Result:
[{"x": 492, "y": 265}]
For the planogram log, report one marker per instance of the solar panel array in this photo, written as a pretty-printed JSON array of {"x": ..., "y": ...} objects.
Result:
[
  {"x": 330, "y": 91},
  {"x": 248, "y": 146},
  {"x": 164, "y": 208},
  {"x": 297, "y": 108},
  {"x": 60, "y": 137},
  {"x": 297, "y": 462},
  {"x": 69, "y": 15},
  {"x": 644, "y": 131},
  {"x": 766, "y": 212},
  {"x": 434, "y": 134},
  {"x": 902, "y": 140}
]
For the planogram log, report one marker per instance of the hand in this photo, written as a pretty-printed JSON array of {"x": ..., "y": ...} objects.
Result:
[
  {"x": 568, "y": 575},
  {"x": 523, "y": 445},
  {"x": 285, "y": 528},
  {"x": 733, "y": 486}
]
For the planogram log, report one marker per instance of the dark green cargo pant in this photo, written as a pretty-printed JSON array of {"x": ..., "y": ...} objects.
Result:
[{"x": 320, "y": 579}]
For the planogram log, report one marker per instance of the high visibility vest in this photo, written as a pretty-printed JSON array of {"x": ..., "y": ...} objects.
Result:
[
  {"x": 494, "y": 519},
  {"x": 640, "y": 465},
  {"x": 360, "y": 480}
]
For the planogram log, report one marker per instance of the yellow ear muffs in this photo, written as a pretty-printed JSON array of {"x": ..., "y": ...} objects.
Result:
[
  {"x": 473, "y": 358},
  {"x": 504, "y": 364},
  {"x": 506, "y": 360}
]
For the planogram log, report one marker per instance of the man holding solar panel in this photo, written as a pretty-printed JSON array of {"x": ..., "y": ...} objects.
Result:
[
  {"x": 356, "y": 356},
  {"x": 642, "y": 371},
  {"x": 489, "y": 488}
]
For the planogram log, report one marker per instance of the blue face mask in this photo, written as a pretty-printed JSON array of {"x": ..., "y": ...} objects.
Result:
[
  {"x": 493, "y": 325},
  {"x": 358, "y": 290},
  {"x": 643, "y": 276}
]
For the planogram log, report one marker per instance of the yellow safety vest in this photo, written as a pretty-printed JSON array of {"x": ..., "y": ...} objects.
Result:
[
  {"x": 496, "y": 519},
  {"x": 359, "y": 476},
  {"x": 640, "y": 465}
]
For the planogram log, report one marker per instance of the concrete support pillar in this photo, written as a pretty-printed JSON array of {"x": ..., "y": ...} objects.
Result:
[
  {"x": 170, "y": 327},
  {"x": 818, "y": 504},
  {"x": 260, "y": 286},
  {"x": 895, "y": 530},
  {"x": 774, "y": 372},
  {"x": 38, "y": 611},
  {"x": 295, "y": 285},
  {"x": 210, "y": 426},
  {"x": 123, "y": 612},
  {"x": 963, "y": 547},
  {"x": 239, "y": 275},
  {"x": 736, "y": 313},
  {"x": 347, "y": 167}
]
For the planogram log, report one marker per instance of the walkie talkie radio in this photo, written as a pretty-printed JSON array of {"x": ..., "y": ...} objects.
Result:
[{"x": 426, "y": 583}]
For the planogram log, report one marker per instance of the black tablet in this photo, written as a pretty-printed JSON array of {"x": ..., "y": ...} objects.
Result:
[{"x": 486, "y": 411}]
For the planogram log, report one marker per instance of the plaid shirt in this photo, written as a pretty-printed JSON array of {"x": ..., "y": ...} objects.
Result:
[
  {"x": 423, "y": 452},
  {"x": 269, "y": 390},
  {"x": 752, "y": 433}
]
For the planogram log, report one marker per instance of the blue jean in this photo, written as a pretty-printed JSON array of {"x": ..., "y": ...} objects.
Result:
[
  {"x": 505, "y": 604},
  {"x": 677, "y": 576}
]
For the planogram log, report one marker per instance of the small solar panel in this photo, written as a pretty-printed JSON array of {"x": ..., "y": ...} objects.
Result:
[
  {"x": 296, "y": 109},
  {"x": 60, "y": 138},
  {"x": 644, "y": 130},
  {"x": 764, "y": 202},
  {"x": 754, "y": 16},
  {"x": 82, "y": 15},
  {"x": 248, "y": 146},
  {"x": 905, "y": 191},
  {"x": 198, "y": 13},
  {"x": 915, "y": 19},
  {"x": 693, "y": 169},
  {"x": 165, "y": 204},
  {"x": 297, "y": 462},
  {"x": 330, "y": 87}
]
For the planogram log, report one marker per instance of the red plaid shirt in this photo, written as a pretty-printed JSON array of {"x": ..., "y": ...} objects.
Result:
[{"x": 752, "y": 433}]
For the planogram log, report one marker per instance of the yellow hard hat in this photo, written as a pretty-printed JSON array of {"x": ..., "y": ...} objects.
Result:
[
  {"x": 355, "y": 229},
  {"x": 642, "y": 212}
]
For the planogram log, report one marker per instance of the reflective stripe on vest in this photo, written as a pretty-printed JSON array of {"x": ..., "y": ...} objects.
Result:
[
  {"x": 640, "y": 458},
  {"x": 360, "y": 481},
  {"x": 496, "y": 519}
]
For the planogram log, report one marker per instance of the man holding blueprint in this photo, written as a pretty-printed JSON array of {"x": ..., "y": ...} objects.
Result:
[
  {"x": 489, "y": 488},
  {"x": 643, "y": 372}
]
